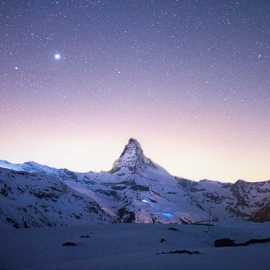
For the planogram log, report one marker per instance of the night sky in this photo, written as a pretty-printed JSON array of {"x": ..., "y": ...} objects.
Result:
[{"x": 190, "y": 79}]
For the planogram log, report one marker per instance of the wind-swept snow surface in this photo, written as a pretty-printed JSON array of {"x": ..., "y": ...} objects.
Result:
[{"x": 133, "y": 246}]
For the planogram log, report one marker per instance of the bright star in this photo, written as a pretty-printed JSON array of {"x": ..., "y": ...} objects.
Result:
[{"x": 57, "y": 56}]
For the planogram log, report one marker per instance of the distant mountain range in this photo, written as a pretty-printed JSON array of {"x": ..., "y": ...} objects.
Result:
[{"x": 135, "y": 190}]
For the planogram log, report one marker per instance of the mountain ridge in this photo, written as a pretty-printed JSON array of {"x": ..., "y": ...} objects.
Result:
[
  {"x": 28, "y": 165},
  {"x": 135, "y": 190}
]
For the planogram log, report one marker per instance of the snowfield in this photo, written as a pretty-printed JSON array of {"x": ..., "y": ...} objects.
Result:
[{"x": 132, "y": 246}]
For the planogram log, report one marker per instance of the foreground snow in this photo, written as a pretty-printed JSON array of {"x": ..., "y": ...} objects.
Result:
[{"x": 132, "y": 246}]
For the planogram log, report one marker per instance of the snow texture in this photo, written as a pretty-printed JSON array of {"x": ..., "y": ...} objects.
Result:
[{"x": 133, "y": 246}]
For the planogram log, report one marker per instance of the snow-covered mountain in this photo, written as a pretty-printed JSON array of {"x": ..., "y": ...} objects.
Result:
[{"x": 134, "y": 190}]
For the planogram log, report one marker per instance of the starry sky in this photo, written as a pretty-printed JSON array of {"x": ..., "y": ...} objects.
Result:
[{"x": 190, "y": 79}]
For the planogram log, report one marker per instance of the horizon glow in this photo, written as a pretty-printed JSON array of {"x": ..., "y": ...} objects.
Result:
[{"x": 188, "y": 79}]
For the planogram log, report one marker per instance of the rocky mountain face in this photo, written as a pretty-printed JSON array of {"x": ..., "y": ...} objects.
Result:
[{"x": 134, "y": 190}]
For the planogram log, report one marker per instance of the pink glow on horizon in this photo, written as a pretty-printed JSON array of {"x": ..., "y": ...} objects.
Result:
[{"x": 186, "y": 148}]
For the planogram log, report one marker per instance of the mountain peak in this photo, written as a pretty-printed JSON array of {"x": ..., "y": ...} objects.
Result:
[
  {"x": 132, "y": 157},
  {"x": 133, "y": 143}
]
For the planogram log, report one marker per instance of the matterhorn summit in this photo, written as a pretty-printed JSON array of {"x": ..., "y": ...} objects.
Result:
[{"x": 132, "y": 158}]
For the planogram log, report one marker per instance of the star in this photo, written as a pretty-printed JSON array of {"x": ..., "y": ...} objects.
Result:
[
  {"x": 260, "y": 56},
  {"x": 57, "y": 56}
]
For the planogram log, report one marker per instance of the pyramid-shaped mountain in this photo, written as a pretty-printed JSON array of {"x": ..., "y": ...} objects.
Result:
[{"x": 135, "y": 190}]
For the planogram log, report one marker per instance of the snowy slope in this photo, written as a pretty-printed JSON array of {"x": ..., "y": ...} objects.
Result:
[
  {"x": 37, "y": 200},
  {"x": 133, "y": 246},
  {"x": 30, "y": 167},
  {"x": 134, "y": 190}
]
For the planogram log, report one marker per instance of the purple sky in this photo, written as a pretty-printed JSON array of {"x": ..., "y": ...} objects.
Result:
[{"x": 189, "y": 79}]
